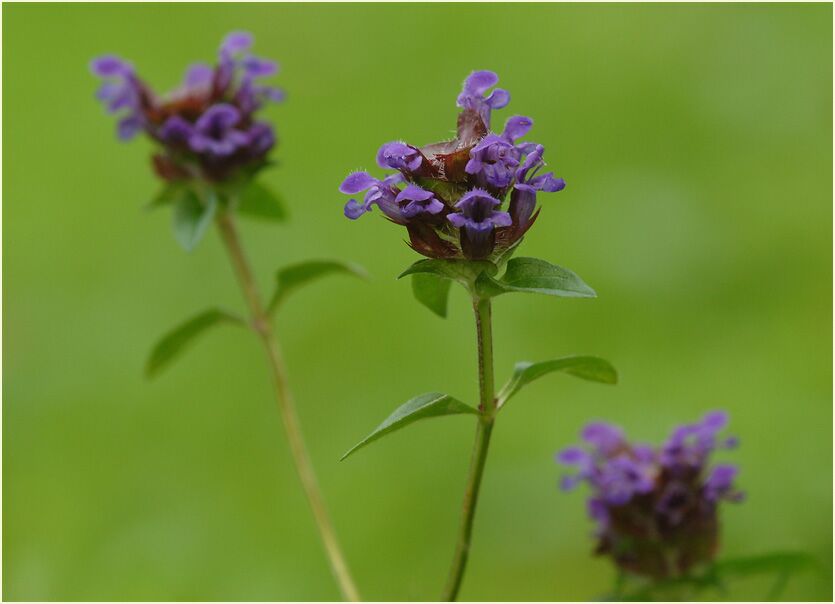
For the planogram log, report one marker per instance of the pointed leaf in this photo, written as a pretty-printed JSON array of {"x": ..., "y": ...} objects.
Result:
[
  {"x": 432, "y": 404},
  {"x": 532, "y": 275},
  {"x": 192, "y": 217},
  {"x": 765, "y": 563},
  {"x": 177, "y": 340},
  {"x": 431, "y": 291},
  {"x": 168, "y": 195},
  {"x": 257, "y": 201},
  {"x": 586, "y": 367},
  {"x": 464, "y": 271},
  {"x": 290, "y": 278}
]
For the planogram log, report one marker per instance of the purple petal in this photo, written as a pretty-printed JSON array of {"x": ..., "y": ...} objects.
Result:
[
  {"x": 568, "y": 482},
  {"x": 235, "y": 42},
  {"x": 356, "y": 182},
  {"x": 547, "y": 183},
  {"x": 109, "y": 66},
  {"x": 478, "y": 82},
  {"x": 128, "y": 127},
  {"x": 517, "y": 127},
  {"x": 715, "y": 420},
  {"x": 354, "y": 210},
  {"x": 271, "y": 93},
  {"x": 198, "y": 74},
  {"x": 606, "y": 437},
  {"x": 498, "y": 98},
  {"x": 220, "y": 116},
  {"x": 720, "y": 481},
  {"x": 572, "y": 456},
  {"x": 501, "y": 219},
  {"x": 175, "y": 129},
  {"x": 259, "y": 68},
  {"x": 413, "y": 192},
  {"x": 473, "y": 166},
  {"x": 261, "y": 138}
]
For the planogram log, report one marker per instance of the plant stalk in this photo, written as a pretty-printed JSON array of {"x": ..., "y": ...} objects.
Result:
[
  {"x": 487, "y": 409},
  {"x": 263, "y": 327}
]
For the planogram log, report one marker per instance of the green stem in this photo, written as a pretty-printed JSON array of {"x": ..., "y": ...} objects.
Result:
[
  {"x": 487, "y": 408},
  {"x": 304, "y": 467}
]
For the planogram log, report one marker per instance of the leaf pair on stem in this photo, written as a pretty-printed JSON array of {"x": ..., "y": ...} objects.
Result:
[{"x": 431, "y": 281}]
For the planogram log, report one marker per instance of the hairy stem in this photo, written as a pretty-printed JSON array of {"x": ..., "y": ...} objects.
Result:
[
  {"x": 487, "y": 408},
  {"x": 262, "y": 326}
]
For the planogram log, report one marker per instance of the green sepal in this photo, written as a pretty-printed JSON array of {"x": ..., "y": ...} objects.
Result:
[
  {"x": 432, "y": 404},
  {"x": 589, "y": 368},
  {"x": 172, "y": 344},
  {"x": 532, "y": 275},
  {"x": 290, "y": 278}
]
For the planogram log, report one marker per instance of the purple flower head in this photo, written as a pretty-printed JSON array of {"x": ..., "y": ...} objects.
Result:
[
  {"x": 655, "y": 508},
  {"x": 207, "y": 127},
  {"x": 472, "y": 96},
  {"x": 478, "y": 190}
]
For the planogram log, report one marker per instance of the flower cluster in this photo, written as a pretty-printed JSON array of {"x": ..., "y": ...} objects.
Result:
[
  {"x": 451, "y": 195},
  {"x": 655, "y": 509},
  {"x": 206, "y": 128}
]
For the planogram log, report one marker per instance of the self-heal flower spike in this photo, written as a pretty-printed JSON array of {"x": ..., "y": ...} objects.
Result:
[
  {"x": 206, "y": 128},
  {"x": 655, "y": 508},
  {"x": 471, "y": 197}
]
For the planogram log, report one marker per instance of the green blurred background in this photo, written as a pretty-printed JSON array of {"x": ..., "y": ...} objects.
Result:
[{"x": 696, "y": 141}]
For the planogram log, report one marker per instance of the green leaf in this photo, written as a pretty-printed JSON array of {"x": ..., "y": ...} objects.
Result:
[
  {"x": 532, "y": 275},
  {"x": 257, "y": 201},
  {"x": 431, "y": 291},
  {"x": 432, "y": 404},
  {"x": 177, "y": 340},
  {"x": 192, "y": 217},
  {"x": 465, "y": 272},
  {"x": 168, "y": 195},
  {"x": 765, "y": 563},
  {"x": 586, "y": 367},
  {"x": 291, "y": 278}
]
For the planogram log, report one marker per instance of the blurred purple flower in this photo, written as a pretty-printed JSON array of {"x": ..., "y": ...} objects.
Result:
[
  {"x": 655, "y": 509},
  {"x": 206, "y": 128}
]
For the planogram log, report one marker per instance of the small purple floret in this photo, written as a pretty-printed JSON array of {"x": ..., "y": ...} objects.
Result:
[
  {"x": 399, "y": 156},
  {"x": 215, "y": 133},
  {"x": 472, "y": 96},
  {"x": 415, "y": 200},
  {"x": 477, "y": 213}
]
